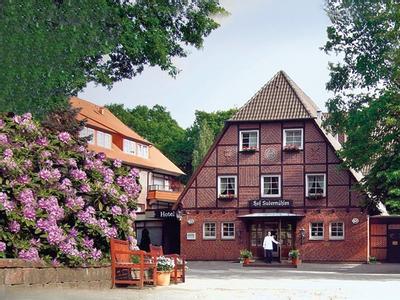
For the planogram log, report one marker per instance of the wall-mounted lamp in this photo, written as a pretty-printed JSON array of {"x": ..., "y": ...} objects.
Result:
[
  {"x": 179, "y": 214},
  {"x": 302, "y": 235},
  {"x": 190, "y": 221}
]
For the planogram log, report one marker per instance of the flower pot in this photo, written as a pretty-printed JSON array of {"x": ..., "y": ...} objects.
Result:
[
  {"x": 246, "y": 261},
  {"x": 296, "y": 261},
  {"x": 163, "y": 278}
]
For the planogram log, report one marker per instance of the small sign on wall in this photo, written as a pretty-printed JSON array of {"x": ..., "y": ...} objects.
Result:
[{"x": 191, "y": 236}]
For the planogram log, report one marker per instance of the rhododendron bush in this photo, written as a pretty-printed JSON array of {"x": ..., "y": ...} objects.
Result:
[{"x": 60, "y": 202}]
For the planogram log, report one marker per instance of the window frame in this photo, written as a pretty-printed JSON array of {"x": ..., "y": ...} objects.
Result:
[
  {"x": 316, "y": 174},
  {"x": 293, "y": 129},
  {"x": 248, "y": 131},
  {"x": 204, "y": 231},
  {"x": 93, "y": 133},
  {"x": 316, "y": 238},
  {"x": 336, "y": 238},
  {"x": 279, "y": 186},
  {"x": 219, "y": 184},
  {"x": 124, "y": 141},
  {"x": 141, "y": 147},
  {"x": 223, "y": 237},
  {"x": 105, "y": 134}
]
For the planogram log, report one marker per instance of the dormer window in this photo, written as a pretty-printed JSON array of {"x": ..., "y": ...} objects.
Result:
[
  {"x": 248, "y": 140},
  {"x": 129, "y": 147},
  {"x": 103, "y": 139},
  {"x": 87, "y": 132},
  {"x": 143, "y": 150},
  {"x": 293, "y": 138}
]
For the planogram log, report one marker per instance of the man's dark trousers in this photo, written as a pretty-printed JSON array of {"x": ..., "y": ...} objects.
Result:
[{"x": 268, "y": 256}]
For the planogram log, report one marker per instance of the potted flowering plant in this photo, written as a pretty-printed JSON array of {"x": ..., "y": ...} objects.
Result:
[
  {"x": 245, "y": 256},
  {"x": 165, "y": 266},
  {"x": 294, "y": 255},
  {"x": 291, "y": 148}
]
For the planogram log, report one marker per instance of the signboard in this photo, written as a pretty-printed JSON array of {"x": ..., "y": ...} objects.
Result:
[
  {"x": 270, "y": 203},
  {"x": 165, "y": 214}
]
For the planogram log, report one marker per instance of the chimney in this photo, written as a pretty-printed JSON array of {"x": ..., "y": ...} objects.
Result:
[{"x": 101, "y": 110}]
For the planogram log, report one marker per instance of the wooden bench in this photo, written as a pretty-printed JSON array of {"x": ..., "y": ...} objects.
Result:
[
  {"x": 178, "y": 274},
  {"x": 128, "y": 272}
]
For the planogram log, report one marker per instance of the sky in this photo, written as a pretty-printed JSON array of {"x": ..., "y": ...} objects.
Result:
[{"x": 257, "y": 39}]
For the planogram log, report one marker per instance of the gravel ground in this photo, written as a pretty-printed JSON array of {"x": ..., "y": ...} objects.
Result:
[{"x": 226, "y": 280}]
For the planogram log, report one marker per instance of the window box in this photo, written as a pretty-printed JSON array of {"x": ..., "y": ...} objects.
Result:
[
  {"x": 316, "y": 196},
  {"x": 250, "y": 149},
  {"x": 227, "y": 196},
  {"x": 291, "y": 148}
]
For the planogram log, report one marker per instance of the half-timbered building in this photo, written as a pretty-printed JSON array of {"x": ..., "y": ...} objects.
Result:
[{"x": 274, "y": 168}]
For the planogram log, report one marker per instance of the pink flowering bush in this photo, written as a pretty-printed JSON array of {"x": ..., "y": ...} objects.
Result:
[{"x": 60, "y": 202}]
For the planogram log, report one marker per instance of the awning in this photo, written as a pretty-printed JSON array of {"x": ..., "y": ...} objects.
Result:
[{"x": 271, "y": 215}]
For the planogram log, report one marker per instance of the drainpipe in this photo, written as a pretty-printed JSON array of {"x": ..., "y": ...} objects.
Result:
[{"x": 368, "y": 241}]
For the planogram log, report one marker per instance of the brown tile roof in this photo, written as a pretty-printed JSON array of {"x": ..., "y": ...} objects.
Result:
[
  {"x": 279, "y": 99},
  {"x": 108, "y": 122}
]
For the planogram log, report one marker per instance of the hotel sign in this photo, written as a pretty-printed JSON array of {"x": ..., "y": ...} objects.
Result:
[
  {"x": 269, "y": 203},
  {"x": 165, "y": 214}
]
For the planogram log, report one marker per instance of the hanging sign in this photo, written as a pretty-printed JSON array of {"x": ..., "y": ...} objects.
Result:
[{"x": 269, "y": 203}]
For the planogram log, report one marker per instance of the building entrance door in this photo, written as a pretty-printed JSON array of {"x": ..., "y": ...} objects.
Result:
[
  {"x": 258, "y": 231},
  {"x": 393, "y": 251}
]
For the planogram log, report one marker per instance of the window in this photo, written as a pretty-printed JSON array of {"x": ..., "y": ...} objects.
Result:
[
  {"x": 228, "y": 231},
  {"x": 317, "y": 231},
  {"x": 143, "y": 150},
  {"x": 129, "y": 146},
  {"x": 336, "y": 231},
  {"x": 271, "y": 186},
  {"x": 315, "y": 185},
  {"x": 227, "y": 186},
  {"x": 86, "y": 132},
  {"x": 103, "y": 139},
  {"x": 209, "y": 231},
  {"x": 248, "y": 140},
  {"x": 293, "y": 137}
]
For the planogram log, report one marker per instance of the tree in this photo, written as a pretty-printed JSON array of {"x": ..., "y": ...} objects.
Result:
[
  {"x": 50, "y": 49},
  {"x": 366, "y": 105},
  {"x": 211, "y": 123},
  {"x": 203, "y": 144}
]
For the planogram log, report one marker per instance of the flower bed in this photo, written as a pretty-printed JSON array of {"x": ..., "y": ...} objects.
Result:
[{"x": 59, "y": 202}]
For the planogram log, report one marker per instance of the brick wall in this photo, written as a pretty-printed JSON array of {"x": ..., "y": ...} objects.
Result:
[
  {"x": 218, "y": 249},
  {"x": 15, "y": 272},
  {"x": 352, "y": 248}
]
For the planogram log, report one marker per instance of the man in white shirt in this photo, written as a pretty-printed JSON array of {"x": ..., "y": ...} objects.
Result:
[{"x": 268, "y": 246}]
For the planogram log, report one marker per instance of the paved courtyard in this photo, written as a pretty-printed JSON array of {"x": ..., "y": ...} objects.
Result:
[{"x": 227, "y": 280}]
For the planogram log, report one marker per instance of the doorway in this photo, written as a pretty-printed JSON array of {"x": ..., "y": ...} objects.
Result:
[
  {"x": 393, "y": 250},
  {"x": 282, "y": 230},
  {"x": 258, "y": 231}
]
